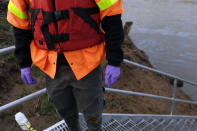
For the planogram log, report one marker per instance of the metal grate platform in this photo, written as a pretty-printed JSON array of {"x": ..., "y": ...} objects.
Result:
[{"x": 137, "y": 122}]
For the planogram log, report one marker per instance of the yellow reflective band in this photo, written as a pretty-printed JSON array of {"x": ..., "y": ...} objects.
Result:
[
  {"x": 104, "y": 4},
  {"x": 16, "y": 11},
  {"x": 28, "y": 126}
]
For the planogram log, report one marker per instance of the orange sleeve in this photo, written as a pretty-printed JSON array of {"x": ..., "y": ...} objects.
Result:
[
  {"x": 17, "y": 22},
  {"x": 115, "y": 9},
  {"x": 13, "y": 19}
]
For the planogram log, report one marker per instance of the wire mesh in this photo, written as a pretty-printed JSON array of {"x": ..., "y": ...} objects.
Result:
[
  {"x": 60, "y": 126},
  {"x": 120, "y": 122}
]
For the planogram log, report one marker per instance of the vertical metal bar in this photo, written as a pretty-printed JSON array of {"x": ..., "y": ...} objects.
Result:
[{"x": 173, "y": 96}]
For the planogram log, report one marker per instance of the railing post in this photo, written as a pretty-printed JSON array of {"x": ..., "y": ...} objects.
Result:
[{"x": 173, "y": 96}]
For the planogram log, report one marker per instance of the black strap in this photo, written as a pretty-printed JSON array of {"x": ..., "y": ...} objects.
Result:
[
  {"x": 60, "y": 38},
  {"x": 47, "y": 37},
  {"x": 86, "y": 17},
  {"x": 57, "y": 15},
  {"x": 54, "y": 9},
  {"x": 53, "y": 4},
  {"x": 54, "y": 16},
  {"x": 93, "y": 10},
  {"x": 34, "y": 13},
  {"x": 51, "y": 39}
]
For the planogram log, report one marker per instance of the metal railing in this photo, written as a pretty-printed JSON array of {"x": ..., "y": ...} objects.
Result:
[
  {"x": 172, "y": 99},
  {"x": 7, "y": 50}
]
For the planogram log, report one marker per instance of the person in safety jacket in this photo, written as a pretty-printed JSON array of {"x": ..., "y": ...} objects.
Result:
[{"x": 68, "y": 40}]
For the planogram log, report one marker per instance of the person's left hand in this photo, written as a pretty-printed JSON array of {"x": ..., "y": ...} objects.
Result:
[{"x": 111, "y": 74}]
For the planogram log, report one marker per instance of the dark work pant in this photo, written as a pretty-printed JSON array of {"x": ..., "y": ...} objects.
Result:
[{"x": 70, "y": 96}]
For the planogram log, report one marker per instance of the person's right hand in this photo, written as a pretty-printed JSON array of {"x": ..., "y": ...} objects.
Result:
[
  {"x": 26, "y": 76},
  {"x": 111, "y": 74}
]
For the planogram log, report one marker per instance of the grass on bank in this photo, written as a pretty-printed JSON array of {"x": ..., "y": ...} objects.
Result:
[
  {"x": 4, "y": 25},
  {"x": 6, "y": 35}
]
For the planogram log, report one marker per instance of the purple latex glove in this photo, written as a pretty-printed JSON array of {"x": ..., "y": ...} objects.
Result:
[
  {"x": 26, "y": 76},
  {"x": 111, "y": 74}
]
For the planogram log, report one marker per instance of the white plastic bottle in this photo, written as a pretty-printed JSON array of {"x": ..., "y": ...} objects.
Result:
[{"x": 22, "y": 121}]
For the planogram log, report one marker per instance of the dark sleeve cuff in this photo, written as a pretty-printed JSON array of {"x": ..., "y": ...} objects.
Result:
[{"x": 114, "y": 64}]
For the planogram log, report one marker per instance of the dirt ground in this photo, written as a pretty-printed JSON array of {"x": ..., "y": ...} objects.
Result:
[{"x": 132, "y": 78}]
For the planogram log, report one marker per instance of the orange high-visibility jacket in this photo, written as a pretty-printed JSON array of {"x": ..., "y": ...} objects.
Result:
[{"x": 81, "y": 61}]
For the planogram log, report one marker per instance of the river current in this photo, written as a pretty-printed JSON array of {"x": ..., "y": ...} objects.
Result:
[{"x": 167, "y": 31}]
